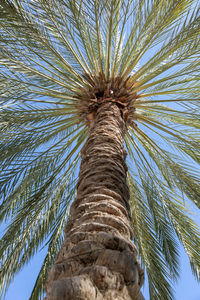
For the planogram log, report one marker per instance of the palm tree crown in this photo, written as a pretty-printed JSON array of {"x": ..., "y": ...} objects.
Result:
[{"x": 59, "y": 60}]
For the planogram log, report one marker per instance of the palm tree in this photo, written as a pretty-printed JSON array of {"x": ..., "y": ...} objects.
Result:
[{"x": 85, "y": 84}]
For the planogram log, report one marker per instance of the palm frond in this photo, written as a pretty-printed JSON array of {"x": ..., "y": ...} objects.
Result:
[
  {"x": 160, "y": 267},
  {"x": 157, "y": 219},
  {"x": 31, "y": 227}
]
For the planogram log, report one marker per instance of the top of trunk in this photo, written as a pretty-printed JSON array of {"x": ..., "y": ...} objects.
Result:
[{"x": 99, "y": 91}]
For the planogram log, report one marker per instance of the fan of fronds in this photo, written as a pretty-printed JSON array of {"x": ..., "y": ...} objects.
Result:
[{"x": 52, "y": 55}]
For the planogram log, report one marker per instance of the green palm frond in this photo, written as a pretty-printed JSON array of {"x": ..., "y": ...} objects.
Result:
[
  {"x": 31, "y": 228},
  {"x": 150, "y": 239},
  {"x": 166, "y": 220},
  {"x": 55, "y": 56}
]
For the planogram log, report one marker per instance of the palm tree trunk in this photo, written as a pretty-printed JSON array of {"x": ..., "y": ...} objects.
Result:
[{"x": 97, "y": 259}]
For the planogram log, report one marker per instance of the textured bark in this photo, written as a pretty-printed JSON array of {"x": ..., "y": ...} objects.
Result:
[{"x": 98, "y": 259}]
